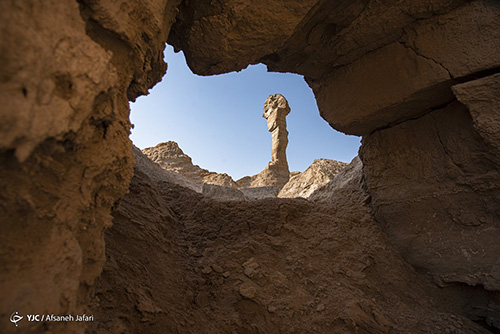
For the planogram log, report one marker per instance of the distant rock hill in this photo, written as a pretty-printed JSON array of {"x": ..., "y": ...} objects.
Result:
[
  {"x": 172, "y": 159},
  {"x": 321, "y": 172}
]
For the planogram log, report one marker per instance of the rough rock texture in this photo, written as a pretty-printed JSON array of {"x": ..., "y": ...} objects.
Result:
[
  {"x": 276, "y": 174},
  {"x": 266, "y": 184},
  {"x": 158, "y": 174},
  {"x": 67, "y": 71},
  {"x": 189, "y": 264},
  {"x": 389, "y": 70},
  {"x": 276, "y": 109},
  {"x": 385, "y": 70},
  {"x": 222, "y": 193},
  {"x": 483, "y": 101},
  {"x": 443, "y": 213},
  {"x": 414, "y": 73},
  {"x": 271, "y": 176},
  {"x": 305, "y": 184},
  {"x": 370, "y": 63},
  {"x": 346, "y": 186},
  {"x": 227, "y": 35},
  {"x": 170, "y": 157},
  {"x": 260, "y": 192}
]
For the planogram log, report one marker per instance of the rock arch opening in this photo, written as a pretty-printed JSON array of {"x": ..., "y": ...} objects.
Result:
[{"x": 217, "y": 123}]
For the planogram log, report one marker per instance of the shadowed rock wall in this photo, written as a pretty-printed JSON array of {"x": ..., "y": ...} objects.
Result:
[{"x": 67, "y": 72}]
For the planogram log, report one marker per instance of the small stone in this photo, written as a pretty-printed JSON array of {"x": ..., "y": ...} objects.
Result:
[
  {"x": 217, "y": 268},
  {"x": 247, "y": 291},
  {"x": 206, "y": 270},
  {"x": 226, "y": 274},
  {"x": 320, "y": 308},
  {"x": 271, "y": 308}
]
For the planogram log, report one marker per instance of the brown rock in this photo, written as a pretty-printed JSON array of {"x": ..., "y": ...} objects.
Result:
[
  {"x": 305, "y": 184},
  {"x": 388, "y": 85},
  {"x": 435, "y": 190},
  {"x": 158, "y": 174},
  {"x": 67, "y": 73},
  {"x": 170, "y": 157},
  {"x": 483, "y": 101},
  {"x": 247, "y": 32},
  {"x": 148, "y": 242},
  {"x": 276, "y": 109}
]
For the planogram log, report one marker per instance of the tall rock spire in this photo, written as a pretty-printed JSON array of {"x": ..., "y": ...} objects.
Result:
[{"x": 276, "y": 109}]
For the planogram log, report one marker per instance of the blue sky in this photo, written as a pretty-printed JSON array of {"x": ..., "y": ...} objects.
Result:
[{"x": 217, "y": 120}]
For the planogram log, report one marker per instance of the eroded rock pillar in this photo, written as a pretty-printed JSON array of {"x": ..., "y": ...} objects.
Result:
[{"x": 276, "y": 109}]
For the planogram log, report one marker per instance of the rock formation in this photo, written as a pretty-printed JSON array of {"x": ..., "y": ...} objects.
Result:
[
  {"x": 170, "y": 157},
  {"x": 276, "y": 109},
  {"x": 170, "y": 163},
  {"x": 305, "y": 184},
  {"x": 276, "y": 174},
  {"x": 191, "y": 264},
  {"x": 159, "y": 174},
  {"x": 418, "y": 80}
]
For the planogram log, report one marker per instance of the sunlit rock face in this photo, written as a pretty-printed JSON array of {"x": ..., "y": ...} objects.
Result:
[
  {"x": 307, "y": 183},
  {"x": 418, "y": 80},
  {"x": 68, "y": 70},
  {"x": 170, "y": 157}
]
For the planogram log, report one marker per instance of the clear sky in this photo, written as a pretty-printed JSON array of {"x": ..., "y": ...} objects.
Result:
[{"x": 217, "y": 120}]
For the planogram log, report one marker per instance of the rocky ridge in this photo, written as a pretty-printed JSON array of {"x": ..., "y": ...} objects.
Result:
[
  {"x": 266, "y": 184},
  {"x": 307, "y": 183},
  {"x": 193, "y": 264},
  {"x": 170, "y": 157}
]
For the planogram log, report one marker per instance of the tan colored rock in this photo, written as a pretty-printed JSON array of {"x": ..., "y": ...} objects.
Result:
[
  {"x": 67, "y": 71},
  {"x": 274, "y": 176},
  {"x": 158, "y": 174},
  {"x": 464, "y": 41},
  {"x": 293, "y": 264},
  {"x": 241, "y": 31},
  {"x": 260, "y": 192},
  {"x": 370, "y": 64},
  {"x": 222, "y": 193},
  {"x": 305, "y": 184},
  {"x": 388, "y": 85},
  {"x": 306, "y": 37},
  {"x": 170, "y": 157},
  {"x": 276, "y": 109},
  {"x": 347, "y": 185}
]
